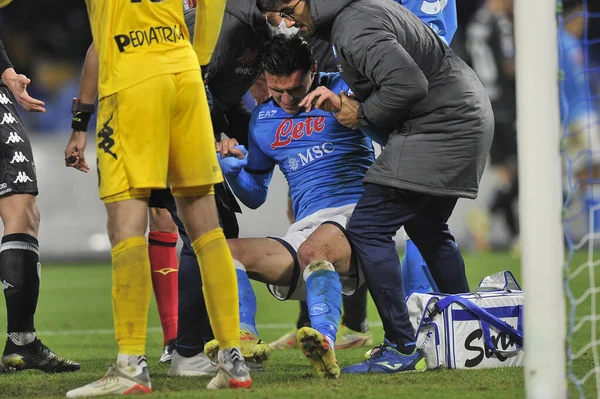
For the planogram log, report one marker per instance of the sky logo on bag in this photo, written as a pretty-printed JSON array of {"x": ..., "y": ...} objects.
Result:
[{"x": 289, "y": 130}]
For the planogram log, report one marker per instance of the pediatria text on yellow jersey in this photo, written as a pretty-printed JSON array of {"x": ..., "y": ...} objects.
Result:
[{"x": 149, "y": 36}]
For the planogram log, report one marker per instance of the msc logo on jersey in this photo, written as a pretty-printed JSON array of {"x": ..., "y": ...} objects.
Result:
[
  {"x": 18, "y": 157},
  {"x": 13, "y": 137},
  {"x": 107, "y": 142},
  {"x": 289, "y": 130},
  {"x": 7, "y": 118},
  {"x": 311, "y": 154},
  {"x": 4, "y": 99},
  {"x": 150, "y": 36}
]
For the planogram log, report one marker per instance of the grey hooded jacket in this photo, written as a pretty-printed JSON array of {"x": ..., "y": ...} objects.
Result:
[{"x": 412, "y": 83}]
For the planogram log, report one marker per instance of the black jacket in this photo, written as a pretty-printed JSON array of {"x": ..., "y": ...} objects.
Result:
[{"x": 411, "y": 82}]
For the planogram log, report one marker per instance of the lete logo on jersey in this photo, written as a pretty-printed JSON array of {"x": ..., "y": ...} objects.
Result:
[{"x": 289, "y": 130}]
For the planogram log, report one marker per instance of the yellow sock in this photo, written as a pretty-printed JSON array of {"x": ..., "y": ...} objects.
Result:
[
  {"x": 131, "y": 293},
  {"x": 219, "y": 284}
]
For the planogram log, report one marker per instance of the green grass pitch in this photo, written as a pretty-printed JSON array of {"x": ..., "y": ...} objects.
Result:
[{"x": 74, "y": 318}]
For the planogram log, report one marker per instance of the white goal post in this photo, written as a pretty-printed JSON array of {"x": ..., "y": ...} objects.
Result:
[{"x": 540, "y": 198}]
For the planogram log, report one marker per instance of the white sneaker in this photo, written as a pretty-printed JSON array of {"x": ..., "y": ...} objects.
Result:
[
  {"x": 233, "y": 372},
  {"x": 195, "y": 366},
  {"x": 115, "y": 382}
]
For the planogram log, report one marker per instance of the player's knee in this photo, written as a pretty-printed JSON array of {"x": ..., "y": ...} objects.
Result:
[
  {"x": 23, "y": 218},
  {"x": 161, "y": 220},
  {"x": 309, "y": 252}
]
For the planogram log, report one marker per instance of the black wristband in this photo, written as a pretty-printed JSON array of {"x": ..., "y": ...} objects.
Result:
[{"x": 80, "y": 121}]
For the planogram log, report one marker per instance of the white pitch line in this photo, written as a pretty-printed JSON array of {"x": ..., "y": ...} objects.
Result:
[{"x": 110, "y": 331}]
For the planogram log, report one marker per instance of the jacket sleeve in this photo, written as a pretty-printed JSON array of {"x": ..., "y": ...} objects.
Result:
[
  {"x": 209, "y": 17},
  {"x": 4, "y": 61},
  {"x": 400, "y": 83}
]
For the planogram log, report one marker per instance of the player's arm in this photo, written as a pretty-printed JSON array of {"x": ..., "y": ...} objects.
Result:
[
  {"x": 88, "y": 91},
  {"x": 400, "y": 82},
  {"x": 249, "y": 178},
  {"x": 17, "y": 84},
  {"x": 209, "y": 17}
]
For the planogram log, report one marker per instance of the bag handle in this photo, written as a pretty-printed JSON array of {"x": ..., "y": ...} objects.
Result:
[{"x": 485, "y": 317}]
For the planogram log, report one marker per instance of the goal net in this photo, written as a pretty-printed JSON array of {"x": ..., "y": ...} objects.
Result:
[{"x": 579, "y": 76}]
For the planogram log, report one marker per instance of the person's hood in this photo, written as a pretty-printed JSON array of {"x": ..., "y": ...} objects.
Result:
[
  {"x": 247, "y": 12},
  {"x": 323, "y": 14}
]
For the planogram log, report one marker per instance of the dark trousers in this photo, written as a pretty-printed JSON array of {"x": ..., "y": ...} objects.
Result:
[
  {"x": 379, "y": 214},
  {"x": 193, "y": 326}
]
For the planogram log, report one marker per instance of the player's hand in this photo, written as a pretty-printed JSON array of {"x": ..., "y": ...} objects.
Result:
[
  {"x": 322, "y": 98},
  {"x": 17, "y": 84},
  {"x": 75, "y": 152},
  {"x": 225, "y": 146},
  {"x": 233, "y": 165},
  {"x": 348, "y": 113},
  {"x": 260, "y": 90}
]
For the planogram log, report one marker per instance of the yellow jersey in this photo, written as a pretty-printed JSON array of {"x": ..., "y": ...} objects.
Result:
[{"x": 139, "y": 39}]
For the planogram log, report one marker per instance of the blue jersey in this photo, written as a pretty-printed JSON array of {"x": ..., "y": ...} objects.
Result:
[
  {"x": 323, "y": 161},
  {"x": 439, "y": 15},
  {"x": 576, "y": 103}
]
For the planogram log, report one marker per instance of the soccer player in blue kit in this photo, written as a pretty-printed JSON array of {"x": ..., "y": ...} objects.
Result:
[{"x": 324, "y": 164}]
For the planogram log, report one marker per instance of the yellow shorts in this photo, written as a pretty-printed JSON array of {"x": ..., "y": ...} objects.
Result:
[{"x": 154, "y": 134}]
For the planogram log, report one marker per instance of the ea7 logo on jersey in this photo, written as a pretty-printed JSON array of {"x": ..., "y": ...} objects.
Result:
[
  {"x": 18, "y": 157},
  {"x": 289, "y": 130},
  {"x": 266, "y": 114},
  {"x": 22, "y": 178},
  {"x": 8, "y": 118},
  {"x": 13, "y": 137},
  {"x": 4, "y": 99}
]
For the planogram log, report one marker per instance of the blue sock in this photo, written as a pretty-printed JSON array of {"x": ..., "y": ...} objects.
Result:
[
  {"x": 323, "y": 297},
  {"x": 247, "y": 299},
  {"x": 415, "y": 273}
]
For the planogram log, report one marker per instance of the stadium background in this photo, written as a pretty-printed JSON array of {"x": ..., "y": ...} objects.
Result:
[{"x": 47, "y": 41}]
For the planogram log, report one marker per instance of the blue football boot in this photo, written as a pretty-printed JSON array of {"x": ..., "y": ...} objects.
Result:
[{"x": 385, "y": 359}]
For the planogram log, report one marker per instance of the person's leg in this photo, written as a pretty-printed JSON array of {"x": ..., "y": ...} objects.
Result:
[
  {"x": 379, "y": 214},
  {"x": 324, "y": 255},
  {"x": 132, "y": 157},
  {"x": 430, "y": 233},
  {"x": 193, "y": 172},
  {"x": 354, "y": 329},
  {"x": 265, "y": 260},
  {"x": 19, "y": 250},
  {"x": 193, "y": 327},
  {"x": 131, "y": 289},
  {"x": 162, "y": 240},
  {"x": 20, "y": 279},
  {"x": 288, "y": 340}
]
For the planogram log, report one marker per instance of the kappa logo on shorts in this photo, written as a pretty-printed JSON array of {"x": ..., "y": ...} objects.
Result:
[
  {"x": 18, "y": 157},
  {"x": 4, "y": 99},
  {"x": 8, "y": 118},
  {"x": 13, "y": 137},
  {"x": 107, "y": 141},
  {"x": 22, "y": 178}
]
